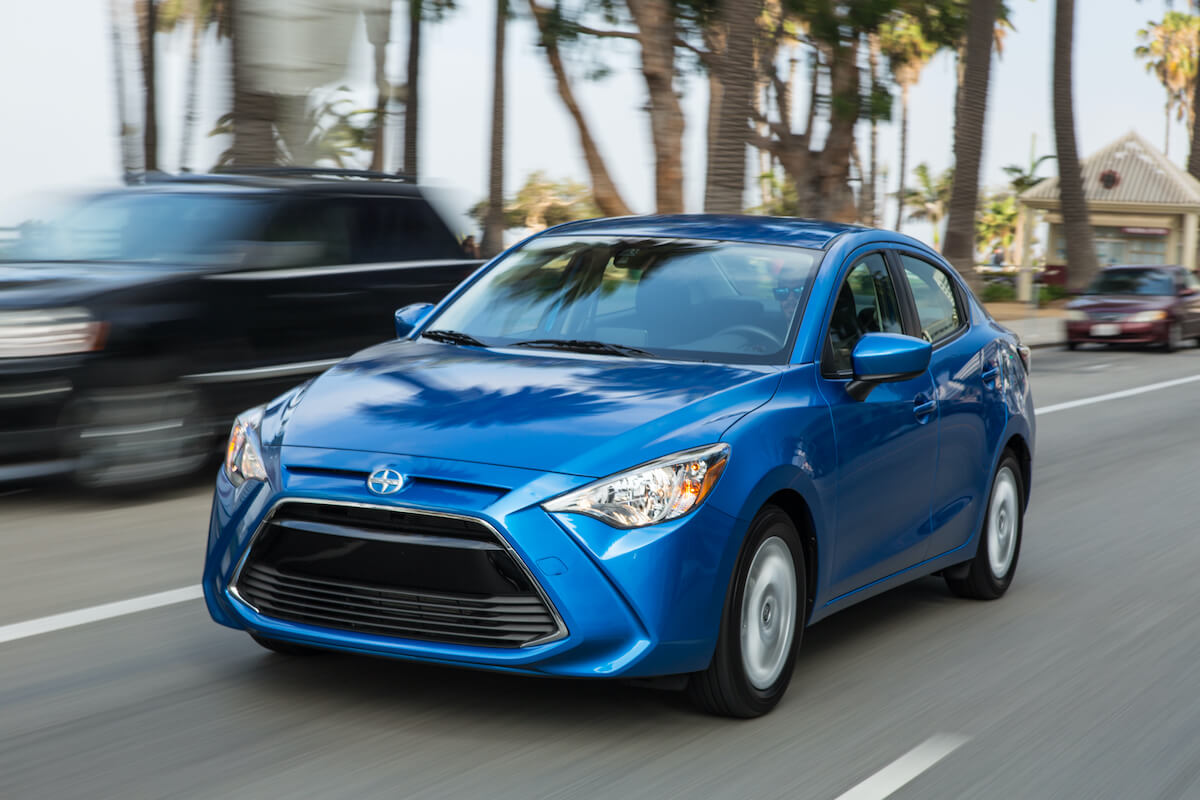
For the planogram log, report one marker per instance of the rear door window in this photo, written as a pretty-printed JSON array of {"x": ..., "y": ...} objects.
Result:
[{"x": 939, "y": 308}]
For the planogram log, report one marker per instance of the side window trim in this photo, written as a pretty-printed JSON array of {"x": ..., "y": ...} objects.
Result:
[
  {"x": 960, "y": 304},
  {"x": 908, "y": 305}
]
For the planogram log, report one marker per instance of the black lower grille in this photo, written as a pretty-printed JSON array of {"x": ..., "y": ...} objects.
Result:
[{"x": 392, "y": 573}]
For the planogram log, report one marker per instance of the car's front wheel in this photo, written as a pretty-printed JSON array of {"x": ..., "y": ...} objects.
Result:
[
  {"x": 988, "y": 575},
  {"x": 1174, "y": 338},
  {"x": 761, "y": 625}
]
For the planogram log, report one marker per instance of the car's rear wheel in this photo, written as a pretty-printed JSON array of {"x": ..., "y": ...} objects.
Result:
[
  {"x": 1072, "y": 345},
  {"x": 761, "y": 625},
  {"x": 284, "y": 648},
  {"x": 988, "y": 575}
]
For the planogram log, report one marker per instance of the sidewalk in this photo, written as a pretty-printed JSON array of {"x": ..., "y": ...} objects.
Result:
[{"x": 1041, "y": 327}]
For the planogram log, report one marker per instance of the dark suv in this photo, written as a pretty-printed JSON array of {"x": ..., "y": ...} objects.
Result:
[{"x": 136, "y": 326}]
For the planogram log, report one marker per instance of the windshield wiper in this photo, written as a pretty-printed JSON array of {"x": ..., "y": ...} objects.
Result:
[
  {"x": 586, "y": 346},
  {"x": 453, "y": 337}
]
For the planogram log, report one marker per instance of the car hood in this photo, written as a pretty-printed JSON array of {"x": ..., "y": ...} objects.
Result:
[
  {"x": 1124, "y": 303},
  {"x": 56, "y": 283},
  {"x": 544, "y": 410}
]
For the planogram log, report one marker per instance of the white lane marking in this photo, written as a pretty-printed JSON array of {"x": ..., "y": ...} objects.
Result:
[
  {"x": 1103, "y": 398},
  {"x": 83, "y": 616},
  {"x": 908, "y": 766}
]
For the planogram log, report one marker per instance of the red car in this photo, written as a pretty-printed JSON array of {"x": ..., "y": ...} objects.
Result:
[{"x": 1157, "y": 305}]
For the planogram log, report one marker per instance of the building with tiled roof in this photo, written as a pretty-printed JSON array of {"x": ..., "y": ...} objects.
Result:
[{"x": 1144, "y": 209}]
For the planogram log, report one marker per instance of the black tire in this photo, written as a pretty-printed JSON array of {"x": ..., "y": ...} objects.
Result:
[
  {"x": 284, "y": 648},
  {"x": 130, "y": 438},
  {"x": 1174, "y": 337},
  {"x": 976, "y": 578},
  {"x": 725, "y": 688},
  {"x": 1072, "y": 345}
]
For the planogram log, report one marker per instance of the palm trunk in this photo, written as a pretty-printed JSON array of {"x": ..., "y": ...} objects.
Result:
[
  {"x": 493, "y": 226},
  {"x": 764, "y": 156},
  {"x": 901, "y": 191},
  {"x": 834, "y": 198},
  {"x": 379, "y": 29},
  {"x": 1193, "y": 164},
  {"x": 970, "y": 116},
  {"x": 869, "y": 187},
  {"x": 129, "y": 153},
  {"x": 738, "y": 20},
  {"x": 253, "y": 110},
  {"x": 715, "y": 44},
  {"x": 604, "y": 190},
  {"x": 1167, "y": 131},
  {"x": 655, "y": 21},
  {"x": 147, "y": 22},
  {"x": 412, "y": 106},
  {"x": 193, "y": 89},
  {"x": 1081, "y": 246}
]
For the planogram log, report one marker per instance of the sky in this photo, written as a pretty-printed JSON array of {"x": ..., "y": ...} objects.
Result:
[{"x": 59, "y": 131}]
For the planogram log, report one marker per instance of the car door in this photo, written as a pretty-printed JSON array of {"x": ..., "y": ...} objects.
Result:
[
  {"x": 966, "y": 368},
  {"x": 1189, "y": 302},
  {"x": 886, "y": 444},
  {"x": 403, "y": 253}
]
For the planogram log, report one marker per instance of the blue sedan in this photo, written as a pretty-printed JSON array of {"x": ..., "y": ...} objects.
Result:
[{"x": 633, "y": 448}]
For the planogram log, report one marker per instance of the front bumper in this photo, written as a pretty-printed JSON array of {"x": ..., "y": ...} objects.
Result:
[
  {"x": 634, "y": 603},
  {"x": 1104, "y": 332},
  {"x": 35, "y": 394}
]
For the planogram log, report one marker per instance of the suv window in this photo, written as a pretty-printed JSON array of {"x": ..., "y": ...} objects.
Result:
[
  {"x": 401, "y": 229},
  {"x": 938, "y": 306},
  {"x": 866, "y": 303},
  {"x": 308, "y": 234}
]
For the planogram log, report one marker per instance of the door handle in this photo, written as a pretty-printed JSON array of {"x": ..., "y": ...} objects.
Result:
[{"x": 923, "y": 406}]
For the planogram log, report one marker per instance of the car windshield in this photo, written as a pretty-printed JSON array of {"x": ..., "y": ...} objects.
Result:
[
  {"x": 188, "y": 229},
  {"x": 1133, "y": 281},
  {"x": 680, "y": 299}
]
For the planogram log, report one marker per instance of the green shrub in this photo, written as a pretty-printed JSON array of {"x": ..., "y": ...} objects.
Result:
[
  {"x": 1050, "y": 293},
  {"x": 999, "y": 293}
]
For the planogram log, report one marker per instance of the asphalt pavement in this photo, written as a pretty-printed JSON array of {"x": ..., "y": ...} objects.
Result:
[{"x": 1080, "y": 683}]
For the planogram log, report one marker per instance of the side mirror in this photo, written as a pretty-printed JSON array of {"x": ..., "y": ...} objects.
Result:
[
  {"x": 884, "y": 358},
  {"x": 409, "y": 317}
]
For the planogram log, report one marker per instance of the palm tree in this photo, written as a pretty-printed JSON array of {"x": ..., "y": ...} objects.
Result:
[
  {"x": 125, "y": 129},
  {"x": 1169, "y": 50},
  {"x": 907, "y": 51},
  {"x": 202, "y": 14},
  {"x": 412, "y": 107},
  {"x": 928, "y": 202},
  {"x": 735, "y": 67},
  {"x": 147, "y": 26},
  {"x": 1023, "y": 178},
  {"x": 493, "y": 228},
  {"x": 969, "y": 118},
  {"x": 997, "y": 224},
  {"x": 1081, "y": 247},
  {"x": 379, "y": 30}
]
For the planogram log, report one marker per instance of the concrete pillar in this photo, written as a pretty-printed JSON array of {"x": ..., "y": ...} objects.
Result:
[
  {"x": 1173, "y": 239},
  {"x": 1189, "y": 240},
  {"x": 1024, "y": 249}
]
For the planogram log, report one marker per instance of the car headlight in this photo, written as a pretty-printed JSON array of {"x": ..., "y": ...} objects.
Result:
[
  {"x": 1147, "y": 316},
  {"x": 661, "y": 490},
  {"x": 243, "y": 459},
  {"x": 49, "y": 332},
  {"x": 1076, "y": 316}
]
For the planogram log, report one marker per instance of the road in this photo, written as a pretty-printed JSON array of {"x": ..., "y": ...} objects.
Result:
[{"x": 1080, "y": 683}]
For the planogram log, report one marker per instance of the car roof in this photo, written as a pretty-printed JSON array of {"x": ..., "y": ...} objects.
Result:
[
  {"x": 791, "y": 231},
  {"x": 1140, "y": 266},
  {"x": 282, "y": 182}
]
